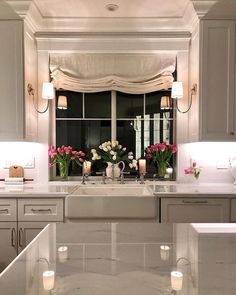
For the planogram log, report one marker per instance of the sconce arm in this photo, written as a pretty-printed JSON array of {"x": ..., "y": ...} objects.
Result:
[
  {"x": 31, "y": 90},
  {"x": 193, "y": 91}
]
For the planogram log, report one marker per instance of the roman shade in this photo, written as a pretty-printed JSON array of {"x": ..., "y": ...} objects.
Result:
[{"x": 129, "y": 73}]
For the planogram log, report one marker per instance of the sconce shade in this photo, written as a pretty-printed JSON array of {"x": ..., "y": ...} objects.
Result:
[
  {"x": 48, "y": 91},
  {"x": 62, "y": 102},
  {"x": 165, "y": 103},
  {"x": 177, "y": 90}
]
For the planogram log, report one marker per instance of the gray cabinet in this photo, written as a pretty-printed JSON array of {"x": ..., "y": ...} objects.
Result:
[
  {"x": 217, "y": 81},
  {"x": 8, "y": 243},
  {"x": 195, "y": 209},
  {"x": 21, "y": 220},
  {"x": 233, "y": 210},
  {"x": 12, "y": 80}
]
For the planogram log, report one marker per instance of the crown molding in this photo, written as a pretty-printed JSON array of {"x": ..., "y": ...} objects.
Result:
[
  {"x": 28, "y": 10},
  {"x": 21, "y": 7},
  {"x": 107, "y": 42},
  {"x": 203, "y": 6}
]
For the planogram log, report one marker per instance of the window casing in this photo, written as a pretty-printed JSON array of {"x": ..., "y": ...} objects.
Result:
[{"x": 139, "y": 122}]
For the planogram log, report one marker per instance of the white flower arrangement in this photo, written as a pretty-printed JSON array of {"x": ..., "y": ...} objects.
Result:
[{"x": 112, "y": 151}]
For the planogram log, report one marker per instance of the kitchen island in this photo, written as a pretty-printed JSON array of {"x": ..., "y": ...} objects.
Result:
[{"x": 125, "y": 258}]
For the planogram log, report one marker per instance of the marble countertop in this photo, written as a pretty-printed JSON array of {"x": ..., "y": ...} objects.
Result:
[
  {"x": 125, "y": 258},
  {"x": 160, "y": 189}
]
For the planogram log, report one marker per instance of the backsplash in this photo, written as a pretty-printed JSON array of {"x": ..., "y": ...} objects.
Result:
[
  {"x": 208, "y": 155},
  {"x": 33, "y": 156},
  {"x": 212, "y": 157}
]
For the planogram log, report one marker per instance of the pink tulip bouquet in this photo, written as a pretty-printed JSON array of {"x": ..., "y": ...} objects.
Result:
[
  {"x": 161, "y": 153},
  {"x": 63, "y": 156},
  {"x": 194, "y": 170}
]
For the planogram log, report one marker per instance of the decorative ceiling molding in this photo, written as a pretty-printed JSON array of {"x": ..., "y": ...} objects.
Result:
[
  {"x": 203, "y": 6},
  {"x": 194, "y": 10},
  {"x": 104, "y": 42},
  {"x": 21, "y": 7}
]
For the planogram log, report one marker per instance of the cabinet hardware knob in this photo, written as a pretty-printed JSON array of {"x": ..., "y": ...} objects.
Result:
[
  {"x": 13, "y": 237},
  {"x": 2, "y": 211},
  {"x": 231, "y": 133}
]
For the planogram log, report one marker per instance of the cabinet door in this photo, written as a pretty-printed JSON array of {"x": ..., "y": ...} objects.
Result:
[
  {"x": 194, "y": 210},
  {"x": 27, "y": 231},
  {"x": 217, "y": 80},
  {"x": 11, "y": 82},
  {"x": 8, "y": 243}
]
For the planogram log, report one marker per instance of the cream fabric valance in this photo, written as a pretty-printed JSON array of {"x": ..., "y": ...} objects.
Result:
[{"x": 129, "y": 73}]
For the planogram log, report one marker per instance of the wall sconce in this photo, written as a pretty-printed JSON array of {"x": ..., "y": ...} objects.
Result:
[
  {"x": 165, "y": 103},
  {"x": 177, "y": 93},
  {"x": 62, "y": 103},
  {"x": 47, "y": 93}
]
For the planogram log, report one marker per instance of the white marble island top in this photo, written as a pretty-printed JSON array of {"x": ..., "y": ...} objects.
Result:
[{"x": 125, "y": 258}]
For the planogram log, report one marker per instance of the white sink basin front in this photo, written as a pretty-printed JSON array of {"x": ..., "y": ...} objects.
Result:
[{"x": 111, "y": 201}]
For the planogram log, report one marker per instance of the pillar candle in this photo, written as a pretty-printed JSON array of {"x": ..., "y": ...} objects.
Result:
[
  {"x": 142, "y": 166},
  {"x": 164, "y": 252},
  {"x": 48, "y": 279},
  {"x": 62, "y": 253},
  {"x": 176, "y": 280},
  {"x": 87, "y": 167}
]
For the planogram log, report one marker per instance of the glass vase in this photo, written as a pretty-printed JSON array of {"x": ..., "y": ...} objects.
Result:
[
  {"x": 63, "y": 170},
  {"x": 161, "y": 170}
]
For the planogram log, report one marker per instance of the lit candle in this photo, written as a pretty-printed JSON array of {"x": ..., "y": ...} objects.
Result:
[
  {"x": 62, "y": 253},
  {"x": 48, "y": 279},
  {"x": 169, "y": 170},
  {"x": 164, "y": 252},
  {"x": 87, "y": 167},
  {"x": 142, "y": 166},
  {"x": 176, "y": 280}
]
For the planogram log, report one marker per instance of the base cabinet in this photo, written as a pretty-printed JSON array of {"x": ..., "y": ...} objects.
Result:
[
  {"x": 8, "y": 243},
  {"x": 21, "y": 220},
  {"x": 185, "y": 210}
]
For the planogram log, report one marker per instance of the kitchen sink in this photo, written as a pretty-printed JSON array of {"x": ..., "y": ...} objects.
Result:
[{"x": 110, "y": 201}]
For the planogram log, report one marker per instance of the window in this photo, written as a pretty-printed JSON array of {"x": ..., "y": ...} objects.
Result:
[{"x": 87, "y": 122}]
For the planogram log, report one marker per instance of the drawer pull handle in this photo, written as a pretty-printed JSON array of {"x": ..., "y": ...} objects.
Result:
[
  {"x": 13, "y": 237},
  {"x": 21, "y": 233},
  {"x": 2, "y": 211},
  {"x": 41, "y": 210},
  {"x": 195, "y": 202}
]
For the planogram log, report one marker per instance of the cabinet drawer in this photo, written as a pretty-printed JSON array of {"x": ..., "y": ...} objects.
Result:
[
  {"x": 8, "y": 210},
  {"x": 194, "y": 210},
  {"x": 233, "y": 210},
  {"x": 40, "y": 210}
]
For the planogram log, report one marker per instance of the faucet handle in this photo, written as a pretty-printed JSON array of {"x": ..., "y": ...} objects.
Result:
[
  {"x": 122, "y": 177},
  {"x": 103, "y": 177}
]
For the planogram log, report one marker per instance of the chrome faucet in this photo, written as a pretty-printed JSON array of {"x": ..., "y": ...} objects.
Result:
[
  {"x": 122, "y": 179},
  {"x": 142, "y": 181},
  {"x": 103, "y": 177},
  {"x": 84, "y": 176}
]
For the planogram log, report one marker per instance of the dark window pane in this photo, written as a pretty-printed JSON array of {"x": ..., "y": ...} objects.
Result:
[
  {"x": 83, "y": 135},
  {"x": 129, "y": 105},
  {"x": 98, "y": 105},
  {"x": 74, "y": 105}
]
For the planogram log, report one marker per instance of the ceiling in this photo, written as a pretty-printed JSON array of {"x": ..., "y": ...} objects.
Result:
[
  {"x": 132, "y": 16},
  {"x": 127, "y": 8}
]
